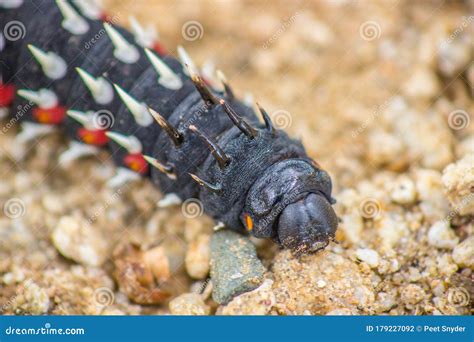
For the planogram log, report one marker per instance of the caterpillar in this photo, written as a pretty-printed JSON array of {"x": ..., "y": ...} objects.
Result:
[{"x": 66, "y": 65}]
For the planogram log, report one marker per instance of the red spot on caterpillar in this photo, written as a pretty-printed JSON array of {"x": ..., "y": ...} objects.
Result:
[
  {"x": 248, "y": 222},
  {"x": 95, "y": 137},
  {"x": 7, "y": 93},
  {"x": 53, "y": 115},
  {"x": 136, "y": 162},
  {"x": 160, "y": 49}
]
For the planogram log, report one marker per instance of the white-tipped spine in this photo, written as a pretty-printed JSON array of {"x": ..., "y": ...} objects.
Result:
[
  {"x": 100, "y": 89},
  {"x": 91, "y": 9},
  {"x": 188, "y": 65},
  {"x": 84, "y": 118},
  {"x": 75, "y": 151},
  {"x": 32, "y": 130},
  {"x": 167, "y": 78},
  {"x": 53, "y": 66},
  {"x": 72, "y": 22},
  {"x": 122, "y": 177},
  {"x": 130, "y": 143},
  {"x": 43, "y": 98},
  {"x": 249, "y": 99},
  {"x": 155, "y": 163},
  {"x": 2, "y": 42},
  {"x": 123, "y": 50},
  {"x": 145, "y": 37},
  {"x": 9, "y": 4},
  {"x": 138, "y": 109},
  {"x": 169, "y": 200}
]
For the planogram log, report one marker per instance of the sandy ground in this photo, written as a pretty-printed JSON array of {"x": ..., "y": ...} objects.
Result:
[{"x": 381, "y": 94}]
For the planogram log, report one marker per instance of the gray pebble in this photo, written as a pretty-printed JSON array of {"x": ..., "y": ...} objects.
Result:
[{"x": 235, "y": 268}]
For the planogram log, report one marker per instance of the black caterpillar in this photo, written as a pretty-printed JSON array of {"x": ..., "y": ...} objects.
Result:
[{"x": 165, "y": 114}]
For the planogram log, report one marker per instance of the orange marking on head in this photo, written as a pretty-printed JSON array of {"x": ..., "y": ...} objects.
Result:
[{"x": 248, "y": 222}]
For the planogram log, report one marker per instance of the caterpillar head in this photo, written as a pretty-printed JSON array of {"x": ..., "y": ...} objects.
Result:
[{"x": 291, "y": 203}]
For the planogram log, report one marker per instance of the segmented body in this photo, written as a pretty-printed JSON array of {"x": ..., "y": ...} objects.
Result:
[{"x": 201, "y": 142}]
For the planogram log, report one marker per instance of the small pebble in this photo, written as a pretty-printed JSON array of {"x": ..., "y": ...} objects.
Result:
[
  {"x": 391, "y": 229},
  {"x": 458, "y": 179},
  {"x": 368, "y": 256},
  {"x": 385, "y": 148},
  {"x": 454, "y": 55},
  {"x": 463, "y": 254},
  {"x": 422, "y": 83},
  {"x": 197, "y": 259},
  {"x": 138, "y": 276},
  {"x": 297, "y": 284},
  {"x": 157, "y": 261},
  {"x": 189, "y": 304},
  {"x": 441, "y": 235},
  {"x": 385, "y": 302},
  {"x": 53, "y": 203},
  {"x": 430, "y": 190},
  {"x": 352, "y": 225},
  {"x": 414, "y": 274},
  {"x": 403, "y": 191},
  {"x": 446, "y": 265},
  {"x": 341, "y": 312},
  {"x": 34, "y": 300},
  {"x": 321, "y": 283},
  {"x": 235, "y": 267},
  {"x": 412, "y": 294},
  {"x": 256, "y": 302},
  {"x": 77, "y": 240}
]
